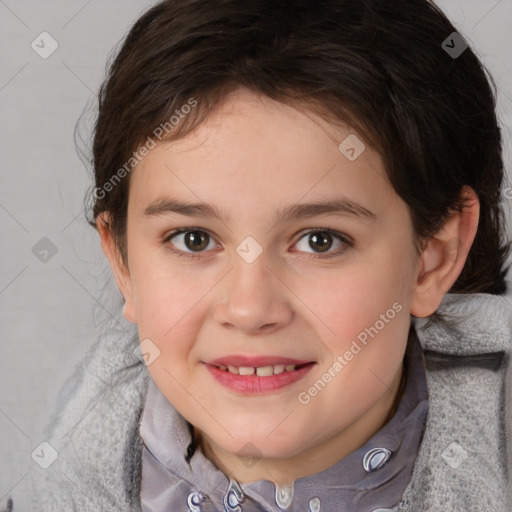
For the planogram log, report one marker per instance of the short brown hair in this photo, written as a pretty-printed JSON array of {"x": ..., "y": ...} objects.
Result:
[{"x": 377, "y": 65}]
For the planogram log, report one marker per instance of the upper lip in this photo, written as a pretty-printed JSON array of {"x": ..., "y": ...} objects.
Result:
[{"x": 255, "y": 361}]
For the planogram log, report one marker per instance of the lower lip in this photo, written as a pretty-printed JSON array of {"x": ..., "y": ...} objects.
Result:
[{"x": 254, "y": 383}]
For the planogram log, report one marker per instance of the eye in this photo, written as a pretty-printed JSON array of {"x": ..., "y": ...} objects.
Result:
[
  {"x": 193, "y": 240},
  {"x": 321, "y": 240},
  {"x": 197, "y": 241}
]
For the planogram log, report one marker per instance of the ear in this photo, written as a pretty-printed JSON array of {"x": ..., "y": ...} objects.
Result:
[
  {"x": 119, "y": 268},
  {"x": 443, "y": 257}
]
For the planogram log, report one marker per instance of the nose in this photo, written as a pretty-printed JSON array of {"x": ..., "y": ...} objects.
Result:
[{"x": 253, "y": 298}]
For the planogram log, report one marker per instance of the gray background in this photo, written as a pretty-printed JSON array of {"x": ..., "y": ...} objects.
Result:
[{"x": 51, "y": 311}]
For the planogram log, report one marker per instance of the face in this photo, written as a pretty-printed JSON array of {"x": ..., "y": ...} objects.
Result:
[{"x": 259, "y": 282}]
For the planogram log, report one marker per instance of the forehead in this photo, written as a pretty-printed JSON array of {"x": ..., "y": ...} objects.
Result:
[{"x": 252, "y": 150}]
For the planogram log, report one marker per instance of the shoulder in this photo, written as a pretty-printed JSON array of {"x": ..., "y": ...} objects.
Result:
[
  {"x": 477, "y": 324},
  {"x": 463, "y": 459},
  {"x": 94, "y": 430}
]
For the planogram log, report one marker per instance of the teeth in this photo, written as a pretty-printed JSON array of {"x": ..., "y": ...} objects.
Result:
[
  {"x": 261, "y": 371},
  {"x": 233, "y": 369},
  {"x": 278, "y": 368},
  {"x": 264, "y": 371}
]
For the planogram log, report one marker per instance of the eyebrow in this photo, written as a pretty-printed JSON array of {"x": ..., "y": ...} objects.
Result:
[{"x": 343, "y": 207}]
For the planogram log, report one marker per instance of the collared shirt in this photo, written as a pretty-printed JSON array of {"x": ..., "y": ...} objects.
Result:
[{"x": 177, "y": 476}]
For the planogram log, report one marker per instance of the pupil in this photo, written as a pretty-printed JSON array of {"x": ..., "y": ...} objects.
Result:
[
  {"x": 196, "y": 240},
  {"x": 316, "y": 239}
]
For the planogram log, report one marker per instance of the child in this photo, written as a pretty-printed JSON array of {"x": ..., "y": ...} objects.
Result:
[{"x": 300, "y": 202}]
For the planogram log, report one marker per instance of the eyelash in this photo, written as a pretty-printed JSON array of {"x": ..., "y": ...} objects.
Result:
[{"x": 341, "y": 237}]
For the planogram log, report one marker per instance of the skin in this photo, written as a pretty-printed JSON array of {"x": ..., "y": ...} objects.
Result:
[{"x": 251, "y": 156}]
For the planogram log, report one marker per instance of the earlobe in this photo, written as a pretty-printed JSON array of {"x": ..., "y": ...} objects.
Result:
[
  {"x": 119, "y": 268},
  {"x": 443, "y": 257}
]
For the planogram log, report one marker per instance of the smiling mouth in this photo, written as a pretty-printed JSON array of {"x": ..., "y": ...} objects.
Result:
[
  {"x": 250, "y": 380},
  {"x": 261, "y": 371}
]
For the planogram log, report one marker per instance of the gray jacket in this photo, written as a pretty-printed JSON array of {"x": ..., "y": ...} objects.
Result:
[{"x": 461, "y": 466}]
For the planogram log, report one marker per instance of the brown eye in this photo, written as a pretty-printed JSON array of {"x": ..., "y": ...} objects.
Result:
[
  {"x": 186, "y": 242},
  {"x": 321, "y": 242},
  {"x": 196, "y": 240}
]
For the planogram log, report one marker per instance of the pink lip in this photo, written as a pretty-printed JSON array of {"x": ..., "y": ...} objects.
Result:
[
  {"x": 240, "y": 360},
  {"x": 253, "y": 384}
]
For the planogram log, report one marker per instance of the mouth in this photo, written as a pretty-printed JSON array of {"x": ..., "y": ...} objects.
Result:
[
  {"x": 258, "y": 375},
  {"x": 261, "y": 371}
]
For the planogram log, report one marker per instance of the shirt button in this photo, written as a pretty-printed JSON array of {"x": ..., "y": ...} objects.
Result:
[
  {"x": 284, "y": 496},
  {"x": 375, "y": 459},
  {"x": 194, "y": 501},
  {"x": 233, "y": 497},
  {"x": 314, "y": 504}
]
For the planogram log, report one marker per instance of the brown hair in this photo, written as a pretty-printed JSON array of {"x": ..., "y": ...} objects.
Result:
[{"x": 379, "y": 66}]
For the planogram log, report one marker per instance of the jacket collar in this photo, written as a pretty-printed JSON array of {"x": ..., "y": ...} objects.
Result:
[{"x": 479, "y": 323}]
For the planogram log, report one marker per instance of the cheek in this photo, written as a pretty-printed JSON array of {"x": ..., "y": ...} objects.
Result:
[
  {"x": 364, "y": 319},
  {"x": 171, "y": 314},
  {"x": 169, "y": 304},
  {"x": 352, "y": 299}
]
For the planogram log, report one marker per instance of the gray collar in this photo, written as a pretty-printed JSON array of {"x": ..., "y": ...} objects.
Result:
[{"x": 175, "y": 476}]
